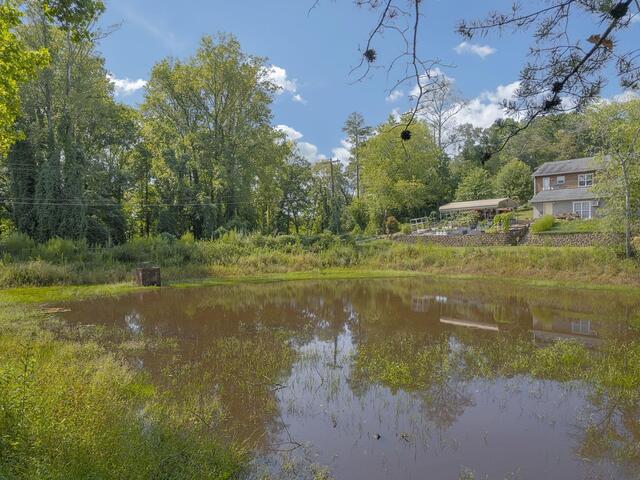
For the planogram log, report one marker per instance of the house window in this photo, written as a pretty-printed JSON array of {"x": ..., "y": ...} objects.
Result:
[
  {"x": 582, "y": 209},
  {"x": 581, "y": 327},
  {"x": 585, "y": 180},
  {"x": 560, "y": 180},
  {"x": 546, "y": 183}
]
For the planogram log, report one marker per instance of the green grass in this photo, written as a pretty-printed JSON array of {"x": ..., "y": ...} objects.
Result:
[
  {"x": 577, "y": 226},
  {"x": 524, "y": 214},
  {"x": 543, "y": 224},
  {"x": 70, "y": 409},
  {"x": 297, "y": 257}
]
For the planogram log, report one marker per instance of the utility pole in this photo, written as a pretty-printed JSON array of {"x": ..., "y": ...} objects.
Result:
[
  {"x": 334, "y": 220},
  {"x": 357, "y": 155}
]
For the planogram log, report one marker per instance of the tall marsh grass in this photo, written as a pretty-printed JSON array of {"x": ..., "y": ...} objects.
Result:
[
  {"x": 71, "y": 410},
  {"x": 63, "y": 262}
]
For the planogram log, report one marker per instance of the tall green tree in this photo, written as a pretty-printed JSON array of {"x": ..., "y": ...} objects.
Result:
[
  {"x": 207, "y": 124},
  {"x": 62, "y": 112},
  {"x": 357, "y": 132},
  {"x": 329, "y": 195},
  {"x": 514, "y": 181},
  {"x": 616, "y": 129},
  {"x": 295, "y": 184},
  {"x": 18, "y": 63},
  {"x": 402, "y": 179},
  {"x": 476, "y": 184}
]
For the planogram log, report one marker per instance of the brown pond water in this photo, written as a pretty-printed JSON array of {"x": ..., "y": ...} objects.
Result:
[{"x": 395, "y": 378}]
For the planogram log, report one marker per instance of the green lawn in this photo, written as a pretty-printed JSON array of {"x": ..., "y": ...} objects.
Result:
[
  {"x": 524, "y": 214},
  {"x": 577, "y": 226}
]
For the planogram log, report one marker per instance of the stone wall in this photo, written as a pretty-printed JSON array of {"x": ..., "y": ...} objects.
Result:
[
  {"x": 479, "y": 240},
  {"x": 595, "y": 239}
]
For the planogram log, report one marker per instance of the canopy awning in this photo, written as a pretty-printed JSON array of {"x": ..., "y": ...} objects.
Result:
[{"x": 473, "y": 205}]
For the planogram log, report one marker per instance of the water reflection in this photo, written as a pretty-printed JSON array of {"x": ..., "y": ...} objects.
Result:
[{"x": 395, "y": 378}]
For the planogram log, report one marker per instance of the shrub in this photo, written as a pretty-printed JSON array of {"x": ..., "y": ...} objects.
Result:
[
  {"x": 467, "y": 219},
  {"x": 17, "y": 245},
  {"x": 501, "y": 223},
  {"x": 391, "y": 225},
  {"x": 543, "y": 224},
  {"x": 33, "y": 273},
  {"x": 61, "y": 250},
  {"x": 358, "y": 215},
  {"x": 406, "y": 229}
]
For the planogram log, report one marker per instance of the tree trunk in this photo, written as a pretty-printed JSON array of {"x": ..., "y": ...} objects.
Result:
[{"x": 627, "y": 209}]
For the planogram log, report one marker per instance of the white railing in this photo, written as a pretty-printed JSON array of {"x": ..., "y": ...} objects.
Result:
[{"x": 418, "y": 224}]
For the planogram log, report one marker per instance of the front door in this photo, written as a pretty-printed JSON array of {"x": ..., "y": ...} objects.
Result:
[{"x": 547, "y": 208}]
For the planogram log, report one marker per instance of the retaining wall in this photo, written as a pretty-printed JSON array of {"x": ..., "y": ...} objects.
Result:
[
  {"x": 479, "y": 240},
  {"x": 594, "y": 239}
]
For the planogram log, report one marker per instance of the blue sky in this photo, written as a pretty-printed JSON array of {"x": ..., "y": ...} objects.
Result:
[{"x": 313, "y": 53}]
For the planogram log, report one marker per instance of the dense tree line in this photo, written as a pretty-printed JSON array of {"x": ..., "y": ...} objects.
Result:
[{"x": 200, "y": 155}]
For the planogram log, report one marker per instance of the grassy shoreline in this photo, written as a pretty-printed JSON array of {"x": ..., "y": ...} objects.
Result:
[
  {"x": 30, "y": 295},
  {"x": 235, "y": 257}
]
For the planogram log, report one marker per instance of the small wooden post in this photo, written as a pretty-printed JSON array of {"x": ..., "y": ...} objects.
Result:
[{"x": 147, "y": 275}]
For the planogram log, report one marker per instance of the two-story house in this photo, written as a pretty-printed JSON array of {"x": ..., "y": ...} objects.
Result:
[{"x": 566, "y": 187}]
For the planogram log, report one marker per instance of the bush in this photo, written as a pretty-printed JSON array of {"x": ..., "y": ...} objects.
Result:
[
  {"x": 501, "y": 223},
  {"x": 62, "y": 250},
  {"x": 406, "y": 229},
  {"x": 467, "y": 219},
  {"x": 34, "y": 273},
  {"x": 391, "y": 225},
  {"x": 543, "y": 224},
  {"x": 358, "y": 215},
  {"x": 17, "y": 245}
]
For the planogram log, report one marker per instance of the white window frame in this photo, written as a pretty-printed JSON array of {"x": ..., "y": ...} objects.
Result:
[
  {"x": 561, "y": 180},
  {"x": 546, "y": 183},
  {"x": 585, "y": 180},
  {"x": 582, "y": 207},
  {"x": 581, "y": 327}
]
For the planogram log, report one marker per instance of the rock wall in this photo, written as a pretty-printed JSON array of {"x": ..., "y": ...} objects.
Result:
[
  {"x": 480, "y": 240},
  {"x": 594, "y": 239}
]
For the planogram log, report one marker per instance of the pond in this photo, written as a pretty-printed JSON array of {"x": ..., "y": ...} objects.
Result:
[{"x": 395, "y": 378}]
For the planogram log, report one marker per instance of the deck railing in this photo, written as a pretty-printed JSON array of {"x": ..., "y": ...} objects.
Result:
[{"x": 422, "y": 223}]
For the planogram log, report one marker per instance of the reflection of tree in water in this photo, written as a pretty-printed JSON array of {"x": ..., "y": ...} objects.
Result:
[
  {"x": 422, "y": 365},
  {"x": 612, "y": 433}
]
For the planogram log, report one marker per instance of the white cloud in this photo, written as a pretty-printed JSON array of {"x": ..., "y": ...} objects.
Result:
[
  {"x": 480, "y": 50},
  {"x": 435, "y": 77},
  {"x": 124, "y": 86},
  {"x": 291, "y": 133},
  {"x": 394, "y": 96},
  {"x": 342, "y": 153},
  {"x": 626, "y": 96},
  {"x": 486, "y": 108},
  {"x": 305, "y": 149},
  {"x": 279, "y": 77},
  {"x": 309, "y": 151},
  {"x": 298, "y": 98},
  {"x": 395, "y": 113},
  {"x": 159, "y": 31}
]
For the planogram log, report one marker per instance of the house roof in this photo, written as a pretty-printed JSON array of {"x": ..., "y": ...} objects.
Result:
[
  {"x": 564, "y": 194},
  {"x": 576, "y": 165},
  {"x": 487, "y": 204}
]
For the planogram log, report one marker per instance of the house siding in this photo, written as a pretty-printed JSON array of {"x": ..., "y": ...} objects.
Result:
[
  {"x": 561, "y": 207},
  {"x": 571, "y": 181}
]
